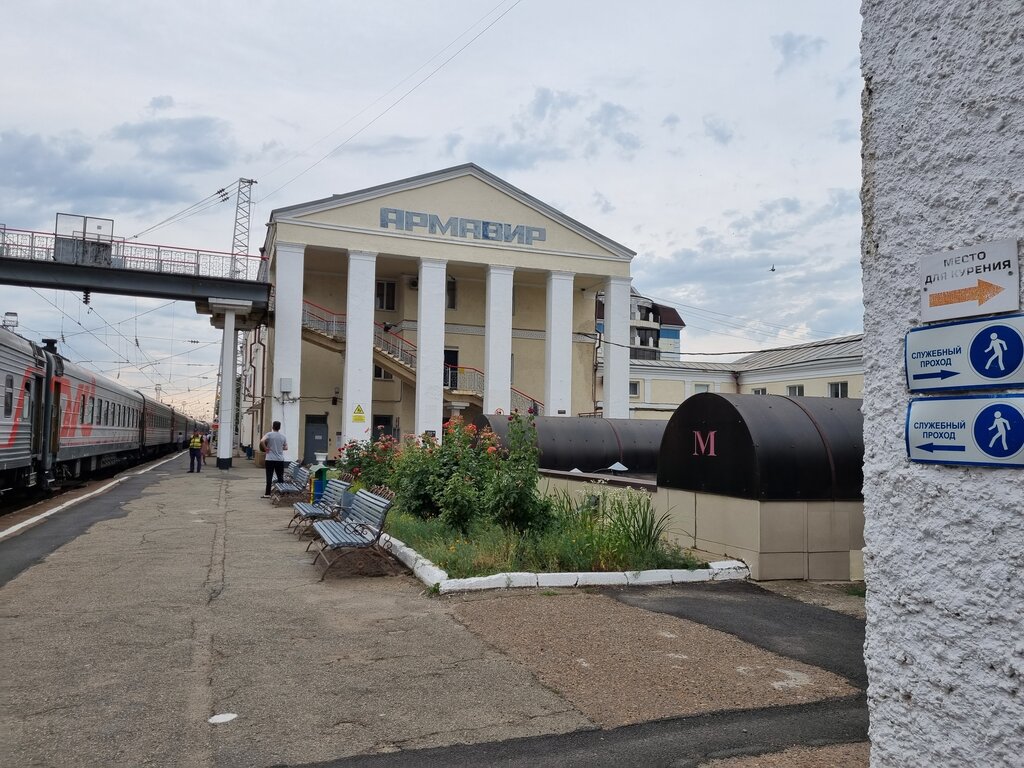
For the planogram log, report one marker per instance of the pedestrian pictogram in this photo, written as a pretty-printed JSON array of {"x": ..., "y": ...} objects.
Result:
[
  {"x": 999, "y": 430},
  {"x": 997, "y": 351},
  {"x": 970, "y": 429},
  {"x": 968, "y": 354}
]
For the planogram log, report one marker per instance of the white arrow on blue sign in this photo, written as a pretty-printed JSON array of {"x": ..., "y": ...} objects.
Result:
[
  {"x": 969, "y": 354},
  {"x": 986, "y": 430}
]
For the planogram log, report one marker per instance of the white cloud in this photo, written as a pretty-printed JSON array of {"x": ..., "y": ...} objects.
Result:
[{"x": 607, "y": 120}]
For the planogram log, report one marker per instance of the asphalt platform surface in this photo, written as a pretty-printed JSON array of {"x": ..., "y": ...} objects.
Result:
[{"x": 132, "y": 618}]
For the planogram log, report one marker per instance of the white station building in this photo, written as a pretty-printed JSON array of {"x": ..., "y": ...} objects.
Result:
[{"x": 453, "y": 292}]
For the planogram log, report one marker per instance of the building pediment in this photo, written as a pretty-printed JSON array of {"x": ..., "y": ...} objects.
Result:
[{"x": 464, "y": 205}]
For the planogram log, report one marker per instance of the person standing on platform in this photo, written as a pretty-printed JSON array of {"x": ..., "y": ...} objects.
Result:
[
  {"x": 195, "y": 453},
  {"x": 274, "y": 445}
]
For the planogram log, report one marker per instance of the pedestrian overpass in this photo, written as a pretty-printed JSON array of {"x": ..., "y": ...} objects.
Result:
[{"x": 81, "y": 255}]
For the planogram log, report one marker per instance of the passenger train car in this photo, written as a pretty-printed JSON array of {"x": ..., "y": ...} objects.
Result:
[{"x": 60, "y": 422}]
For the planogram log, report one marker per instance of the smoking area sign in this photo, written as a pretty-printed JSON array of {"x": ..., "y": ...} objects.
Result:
[
  {"x": 970, "y": 354},
  {"x": 985, "y": 430},
  {"x": 967, "y": 282}
]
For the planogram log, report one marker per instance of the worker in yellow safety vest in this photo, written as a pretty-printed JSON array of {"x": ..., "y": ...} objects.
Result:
[{"x": 195, "y": 453}]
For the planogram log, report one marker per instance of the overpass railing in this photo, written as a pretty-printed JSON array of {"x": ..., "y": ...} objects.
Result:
[{"x": 131, "y": 256}]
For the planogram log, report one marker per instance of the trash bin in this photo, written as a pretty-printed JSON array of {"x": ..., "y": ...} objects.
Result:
[{"x": 319, "y": 474}]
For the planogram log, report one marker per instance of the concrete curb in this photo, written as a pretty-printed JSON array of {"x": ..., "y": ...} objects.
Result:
[{"x": 436, "y": 579}]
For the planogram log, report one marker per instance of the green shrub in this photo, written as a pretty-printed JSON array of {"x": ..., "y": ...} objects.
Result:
[{"x": 511, "y": 496}]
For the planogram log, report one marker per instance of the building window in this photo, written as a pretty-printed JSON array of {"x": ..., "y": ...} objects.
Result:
[
  {"x": 451, "y": 294},
  {"x": 698, "y": 388},
  {"x": 838, "y": 389},
  {"x": 386, "y": 295},
  {"x": 795, "y": 390},
  {"x": 634, "y": 389},
  {"x": 381, "y": 375},
  {"x": 759, "y": 391}
]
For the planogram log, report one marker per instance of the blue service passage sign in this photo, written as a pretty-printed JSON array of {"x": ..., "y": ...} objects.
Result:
[
  {"x": 969, "y": 354},
  {"x": 983, "y": 430}
]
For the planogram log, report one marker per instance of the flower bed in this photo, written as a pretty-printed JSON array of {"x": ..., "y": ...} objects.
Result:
[{"x": 472, "y": 507}]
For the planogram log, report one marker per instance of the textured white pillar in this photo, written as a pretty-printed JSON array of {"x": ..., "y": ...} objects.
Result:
[
  {"x": 289, "y": 266},
  {"x": 558, "y": 345},
  {"x": 616, "y": 348},
  {"x": 357, "y": 396},
  {"x": 498, "y": 340},
  {"x": 430, "y": 348}
]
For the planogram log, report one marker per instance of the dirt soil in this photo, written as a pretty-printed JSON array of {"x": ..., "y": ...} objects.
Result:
[
  {"x": 824, "y": 594},
  {"x": 620, "y": 665},
  {"x": 835, "y": 756}
]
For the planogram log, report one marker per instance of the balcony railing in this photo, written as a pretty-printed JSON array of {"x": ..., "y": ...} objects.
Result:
[{"x": 457, "y": 378}]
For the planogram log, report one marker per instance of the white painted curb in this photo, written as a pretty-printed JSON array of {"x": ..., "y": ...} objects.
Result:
[{"x": 435, "y": 578}]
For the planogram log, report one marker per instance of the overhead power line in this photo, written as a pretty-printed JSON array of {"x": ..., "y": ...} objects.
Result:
[{"x": 397, "y": 101}]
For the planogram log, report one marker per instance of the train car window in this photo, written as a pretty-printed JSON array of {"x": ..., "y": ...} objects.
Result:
[
  {"x": 98, "y": 411},
  {"x": 81, "y": 413},
  {"x": 92, "y": 407},
  {"x": 106, "y": 414},
  {"x": 8, "y": 396},
  {"x": 117, "y": 416},
  {"x": 26, "y": 406}
]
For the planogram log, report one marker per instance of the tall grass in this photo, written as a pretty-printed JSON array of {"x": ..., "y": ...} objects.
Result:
[{"x": 600, "y": 530}]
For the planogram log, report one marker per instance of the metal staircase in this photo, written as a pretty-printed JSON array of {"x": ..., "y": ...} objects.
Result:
[{"x": 397, "y": 355}]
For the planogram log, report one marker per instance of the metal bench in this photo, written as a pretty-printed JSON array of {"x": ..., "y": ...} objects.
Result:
[
  {"x": 291, "y": 491},
  {"x": 289, "y": 470},
  {"x": 360, "y": 528},
  {"x": 333, "y": 503}
]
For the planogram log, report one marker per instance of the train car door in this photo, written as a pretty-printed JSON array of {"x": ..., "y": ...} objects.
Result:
[{"x": 55, "y": 418}]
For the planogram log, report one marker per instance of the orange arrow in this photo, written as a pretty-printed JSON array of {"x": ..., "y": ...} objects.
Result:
[{"x": 981, "y": 293}]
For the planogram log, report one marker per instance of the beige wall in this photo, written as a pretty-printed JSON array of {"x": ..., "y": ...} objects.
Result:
[
  {"x": 813, "y": 386},
  {"x": 817, "y": 540}
]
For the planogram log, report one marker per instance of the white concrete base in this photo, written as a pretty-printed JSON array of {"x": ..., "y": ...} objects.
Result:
[{"x": 435, "y": 578}]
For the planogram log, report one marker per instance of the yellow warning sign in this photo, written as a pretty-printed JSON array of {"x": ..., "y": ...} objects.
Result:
[{"x": 358, "y": 415}]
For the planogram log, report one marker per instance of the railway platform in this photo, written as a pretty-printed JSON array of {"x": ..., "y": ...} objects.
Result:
[{"x": 171, "y": 620}]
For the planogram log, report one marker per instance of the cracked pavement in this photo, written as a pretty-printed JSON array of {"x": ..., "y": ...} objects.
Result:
[{"x": 139, "y": 614}]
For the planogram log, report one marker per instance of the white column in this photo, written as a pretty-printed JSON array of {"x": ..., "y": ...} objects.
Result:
[
  {"x": 289, "y": 266},
  {"x": 357, "y": 395},
  {"x": 226, "y": 431},
  {"x": 616, "y": 348},
  {"x": 498, "y": 340},
  {"x": 226, "y": 438},
  {"x": 558, "y": 345},
  {"x": 430, "y": 347}
]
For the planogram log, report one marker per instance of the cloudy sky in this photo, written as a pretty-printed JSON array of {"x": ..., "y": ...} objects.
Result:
[{"x": 715, "y": 138}]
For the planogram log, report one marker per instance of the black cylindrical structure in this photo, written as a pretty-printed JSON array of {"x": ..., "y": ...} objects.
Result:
[
  {"x": 590, "y": 444},
  {"x": 765, "y": 447}
]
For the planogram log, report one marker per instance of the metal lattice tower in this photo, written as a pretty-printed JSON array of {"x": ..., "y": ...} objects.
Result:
[
  {"x": 243, "y": 211},
  {"x": 240, "y": 252}
]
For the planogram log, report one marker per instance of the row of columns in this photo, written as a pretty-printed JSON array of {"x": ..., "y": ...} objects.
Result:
[{"x": 357, "y": 394}]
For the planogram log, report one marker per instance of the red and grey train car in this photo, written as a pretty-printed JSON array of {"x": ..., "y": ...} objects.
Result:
[{"x": 60, "y": 422}]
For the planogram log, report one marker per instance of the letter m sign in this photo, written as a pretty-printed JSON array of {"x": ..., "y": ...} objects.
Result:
[{"x": 704, "y": 445}]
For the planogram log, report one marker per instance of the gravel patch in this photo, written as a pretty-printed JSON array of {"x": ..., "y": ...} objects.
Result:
[
  {"x": 824, "y": 595},
  {"x": 620, "y": 665},
  {"x": 844, "y": 755}
]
